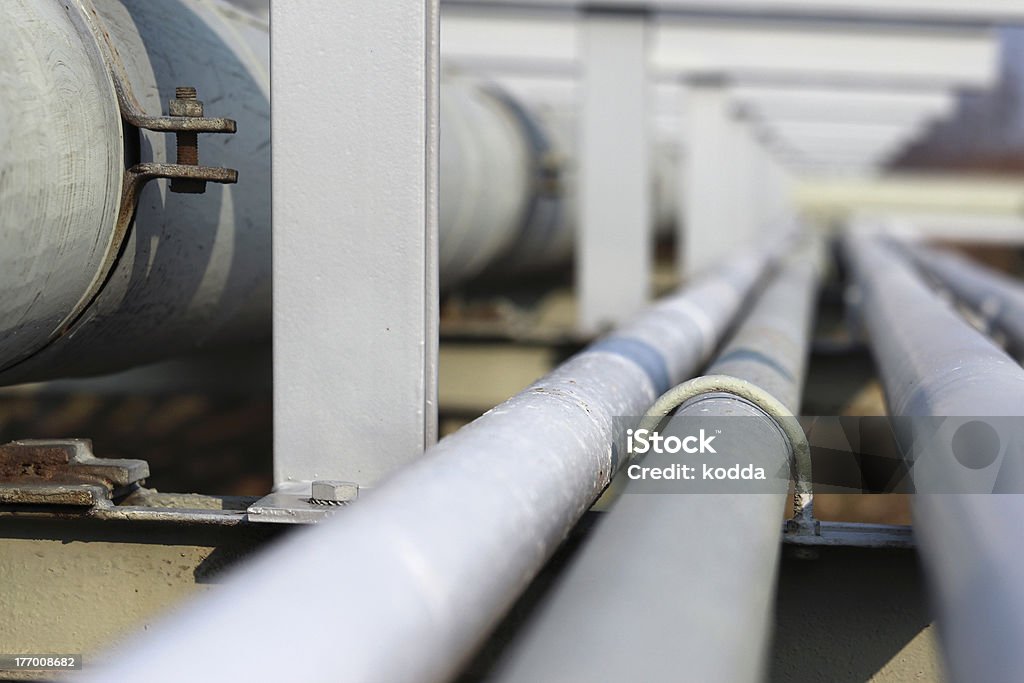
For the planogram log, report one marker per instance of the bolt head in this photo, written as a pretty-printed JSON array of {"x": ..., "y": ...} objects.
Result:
[{"x": 335, "y": 491}]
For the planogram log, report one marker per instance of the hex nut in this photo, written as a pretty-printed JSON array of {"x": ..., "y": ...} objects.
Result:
[{"x": 335, "y": 491}]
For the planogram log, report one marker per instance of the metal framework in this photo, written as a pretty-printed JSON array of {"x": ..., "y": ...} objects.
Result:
[
  {"x": 355, "y": 244},
  {"x": 446, "y": 545}
]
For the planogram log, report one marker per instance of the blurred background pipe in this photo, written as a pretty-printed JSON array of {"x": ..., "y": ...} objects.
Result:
[
  {"x": 933, "y": 364},
  {"x": 997, "y": 298}
]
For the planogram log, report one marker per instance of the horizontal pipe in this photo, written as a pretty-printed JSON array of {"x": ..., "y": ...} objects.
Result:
[
  {"x": 933, "y": 364},
  {"x": 997, "y": 298},
  {"x": 193, "y": 270},
  {"x": 60, "y": 172},
  {"x": 404, "y": 584},
  {"x": 685, "y": 582}
]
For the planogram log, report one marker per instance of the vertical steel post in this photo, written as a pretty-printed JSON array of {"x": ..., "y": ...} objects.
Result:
[
  {"x": 614, "y": 249},
  {"x": 355, "y": 240},
  {"x": 707, "y": 230}
]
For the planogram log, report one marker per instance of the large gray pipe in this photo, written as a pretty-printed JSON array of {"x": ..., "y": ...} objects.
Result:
[
  {"x": 997, "y": 298},
  {"x": 666, "y": 583},
  {"x": 933, "y": 364},
  {"x": 195, "y": 269},
  {"x": 406, "y": 584}
]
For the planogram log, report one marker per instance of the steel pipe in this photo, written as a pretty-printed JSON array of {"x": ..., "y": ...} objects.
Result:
[
  {"x": 674, "y": 581},
  {"x": 194, "y": 270},
  {"x": 61, "y": 135},
  {"x": 934, "y": 365},
  {"x": 489, "y": 174},
  {"x": 405, "y": 584},
  {"x": 997, "y": 298}
]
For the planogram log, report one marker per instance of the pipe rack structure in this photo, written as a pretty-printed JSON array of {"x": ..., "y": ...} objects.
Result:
[
  {"x": 447, "y": 544},
  {"x": 658, "y": 565},
  {"x": 934, "y": 365}
]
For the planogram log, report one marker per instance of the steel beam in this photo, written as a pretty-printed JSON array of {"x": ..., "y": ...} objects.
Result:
[
  {"x": 970, "y": 225},
  {"x": 355, "y": 244},
  {"x": 864, "y": 105},
  {"x": 955, "y": 12},
  {"x": 780, "y": 51},
  {"x": 713, "y": 182},
  {"x": 614, "y": 238}
]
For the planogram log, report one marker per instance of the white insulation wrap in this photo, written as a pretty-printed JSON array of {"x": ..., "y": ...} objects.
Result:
[
  {"x": 193, "y": 269},
  {"x": 486, "y": 179},
  {"x": 60, "y": 171}
]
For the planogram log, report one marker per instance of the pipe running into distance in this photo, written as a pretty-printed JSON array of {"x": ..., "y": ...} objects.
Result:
[
  {"x": 997, "y": 298},
  {"x": 934, "y": 365},
  {"x": 674, "y": 581},
  {"x": 405, "y": 584}
]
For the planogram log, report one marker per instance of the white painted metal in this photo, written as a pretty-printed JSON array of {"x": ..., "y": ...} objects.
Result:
[
  {"x": 707, "y": 231},
  {"x": 482, "y": 39},
  {"x": 355, "y": 238},
  {"x": 749, "y": 212},
  {"x": 487, "y": 179},
  {"x": 947, "y": 11},
  {"x": 60, "y": 133},
  {"x": 194, "y": 270},
  {"x": 843, "y": 104},
  {"x": 949, "y": 226},
  {"x": 832, "y": 52},
  {"x": 614, "y": 243},
  {"x": 841, "y": 130},
  {"x": 757, "y": 48}
]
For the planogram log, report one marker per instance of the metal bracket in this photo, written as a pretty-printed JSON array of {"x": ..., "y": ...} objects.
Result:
[
  {"x": 186, "y": 175},
  {"x": 848, "y": 534},
  {"x": 64, "y": 472},
  {"x": 303, "y": 502}
]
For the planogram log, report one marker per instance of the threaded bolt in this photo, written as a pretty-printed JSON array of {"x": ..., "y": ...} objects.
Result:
[{"x": 187, "y": 143}]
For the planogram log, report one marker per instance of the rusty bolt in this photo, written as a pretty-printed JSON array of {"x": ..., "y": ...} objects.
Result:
[{"x": 186, "y": 104}]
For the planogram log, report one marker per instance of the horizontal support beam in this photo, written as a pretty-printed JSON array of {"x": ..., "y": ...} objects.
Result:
[
  {"x": 858, "y": 106},
  {"x": 835, "y": 52},
  {"x": 953, "y": 12},
  {"x": 922, "y": 57}
]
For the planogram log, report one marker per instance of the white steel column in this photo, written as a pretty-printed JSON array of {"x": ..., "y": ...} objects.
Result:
[
  {"x": 747, "y": 206},
  {"x": 614, "y": 247},
  {"x": 708, "y": 228},
  {"x": 355, "y": 238}
]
